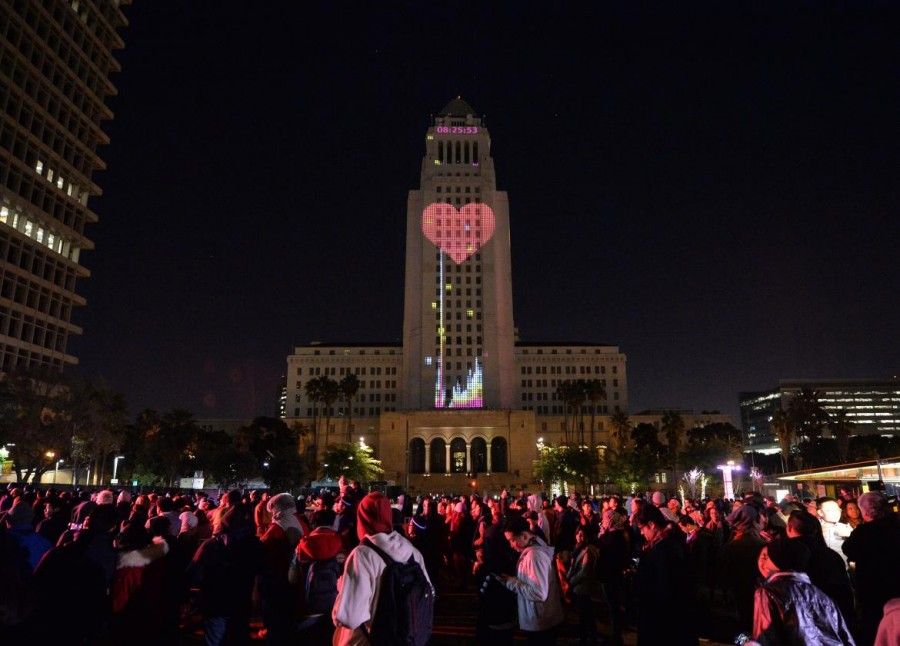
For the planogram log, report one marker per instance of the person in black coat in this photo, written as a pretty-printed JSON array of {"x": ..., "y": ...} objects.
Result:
[
  {"x": 666, "y": 588},
  {"x": 872, "y": 546},
  {"x": 71, "y": 581},
  {"x": 496, "y": 618},
  {"x": 614, "y": 555},
  {"x": 55, "y": 520},
  {"x": 225, "y": 568},
  {"x": 826, "y": 568}
]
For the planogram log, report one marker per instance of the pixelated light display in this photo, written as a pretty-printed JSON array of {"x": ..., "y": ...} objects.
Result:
[
  {"x": 460, "y": 233},
  {"x": 456, "y": 130}
]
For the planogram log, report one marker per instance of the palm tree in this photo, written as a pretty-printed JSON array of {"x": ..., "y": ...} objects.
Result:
[
  {"x": 784, "y": 430},
  {"x": 807, "y": 415},
  {"x": 349, "y": 386},
  {"x": 621, "y": 429},
  {"x": 576, "y": 401},
  {"x": 330, "y": 393},
  {"x": 314, "y": 390},
  {"x": 673, "y": 428},
  {"x": 595, "y": 394},
  {"x": 841, "y": 428},
  {"x": 564, "y": 395}
]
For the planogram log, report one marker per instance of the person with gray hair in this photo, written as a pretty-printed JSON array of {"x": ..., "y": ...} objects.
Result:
[
  {"x": 278, "y": 543},
  {"x": 872, "y": 546}
]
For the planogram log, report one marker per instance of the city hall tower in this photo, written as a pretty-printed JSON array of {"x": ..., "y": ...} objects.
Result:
[{"x": 458, "y": 331}]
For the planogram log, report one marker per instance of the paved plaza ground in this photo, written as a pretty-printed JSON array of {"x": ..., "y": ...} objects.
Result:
[{"x": 454, "y": 624}]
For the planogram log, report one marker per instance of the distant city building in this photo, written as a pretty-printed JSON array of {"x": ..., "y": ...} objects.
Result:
[
  {"x": 873, "y": 406},
  {"x": 460, "y": 395},
  {"x": 55, "y": 63}
]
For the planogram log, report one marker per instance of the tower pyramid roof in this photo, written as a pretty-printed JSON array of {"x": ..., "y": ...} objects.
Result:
[{"x": 458, "y": 107}]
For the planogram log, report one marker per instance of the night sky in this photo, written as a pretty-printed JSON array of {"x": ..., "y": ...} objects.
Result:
[{"x": 716, "y": 190}]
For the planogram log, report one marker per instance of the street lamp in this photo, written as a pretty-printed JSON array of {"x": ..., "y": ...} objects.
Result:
[
  {"x": 727, "y": 468},
  {"x": 115, "y": 479}
]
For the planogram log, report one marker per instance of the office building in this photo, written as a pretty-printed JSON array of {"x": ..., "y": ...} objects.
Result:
[
  {"x": 872, "y": 406},
  {"x": 56, "y": 59}
]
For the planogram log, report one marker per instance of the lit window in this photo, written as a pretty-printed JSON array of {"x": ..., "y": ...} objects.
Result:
[{"x": 39, "y": 167}]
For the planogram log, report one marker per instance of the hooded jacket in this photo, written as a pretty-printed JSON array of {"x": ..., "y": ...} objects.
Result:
[
  {"x": 789, "y": 610},
  {"x": 537, "y": 588},
  {"x": 358, "y": 587},
  {"x": 889, "y": 628}
]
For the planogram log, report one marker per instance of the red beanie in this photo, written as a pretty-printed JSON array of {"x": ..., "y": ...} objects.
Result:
[{"x": 373, "y": 515}]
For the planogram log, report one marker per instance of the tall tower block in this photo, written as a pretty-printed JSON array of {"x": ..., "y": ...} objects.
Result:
[
  {"x": 458, "y": 330},
  {"x": 56, "y": 59}
]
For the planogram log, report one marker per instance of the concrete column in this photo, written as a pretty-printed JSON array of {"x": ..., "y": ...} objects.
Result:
[
  {"x": 447, "y": 465},
  {"x": 490, "y": 470},
  {"x": 428, "y": 458},
  {"x": 468, "y": 457}
]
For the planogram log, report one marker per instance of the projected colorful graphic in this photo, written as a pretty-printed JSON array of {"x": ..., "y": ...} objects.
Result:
[{"x": 459, "y": 234}]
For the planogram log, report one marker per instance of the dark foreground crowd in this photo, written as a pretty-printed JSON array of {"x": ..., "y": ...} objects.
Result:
[{"x": 353, "y": 568}]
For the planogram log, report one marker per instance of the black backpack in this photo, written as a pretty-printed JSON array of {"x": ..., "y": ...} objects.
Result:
[
  {"x": 320, "y": 586},
  {"x": 405, "y": 607}
]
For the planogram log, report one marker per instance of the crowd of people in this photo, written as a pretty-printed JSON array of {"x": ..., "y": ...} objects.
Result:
[{"x": 351, "y": 567}]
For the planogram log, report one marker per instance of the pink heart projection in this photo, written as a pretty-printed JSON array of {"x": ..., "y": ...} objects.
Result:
[{"x": 461, "y": 233}]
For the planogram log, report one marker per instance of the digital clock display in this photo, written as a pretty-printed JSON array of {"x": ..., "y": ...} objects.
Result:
[{"x": 456, "y": 130}]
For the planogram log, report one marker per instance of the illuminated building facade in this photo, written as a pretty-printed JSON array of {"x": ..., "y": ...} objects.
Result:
[
  {"x": 460, "y": 395},
  {"x": 873, "y": 407},
  {"x": 55, "y": 63},
  {"x": 458, "y": 332}
]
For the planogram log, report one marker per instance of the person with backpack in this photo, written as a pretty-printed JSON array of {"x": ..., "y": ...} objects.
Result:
[
  {"x": 384, "y": 595},
  {"x": 314, "y": 571}
]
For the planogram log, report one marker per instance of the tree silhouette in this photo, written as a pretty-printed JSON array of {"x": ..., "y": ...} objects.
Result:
[{"x": 349, "y": 386}]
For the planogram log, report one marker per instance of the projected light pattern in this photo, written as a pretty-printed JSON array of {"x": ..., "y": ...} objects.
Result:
[
  {"x": 460, "y": 233},
  {"x": 472, "y": 396}
]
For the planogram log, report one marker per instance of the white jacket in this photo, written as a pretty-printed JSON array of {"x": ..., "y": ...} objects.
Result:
[
  {"x": 358, "y": 587},
  {"x": 537, "y": 588}
]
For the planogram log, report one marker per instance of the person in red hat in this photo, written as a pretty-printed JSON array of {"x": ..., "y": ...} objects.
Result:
[{"x": 358, "y": 588}]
